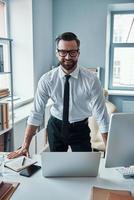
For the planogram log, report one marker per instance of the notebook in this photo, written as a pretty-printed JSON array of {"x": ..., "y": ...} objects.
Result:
[
  {"x": 70, "y": 164},
  {"x": 17, "y": 164}
]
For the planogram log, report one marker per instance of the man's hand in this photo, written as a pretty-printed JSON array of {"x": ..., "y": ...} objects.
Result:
[
  {"x": 20, "y": 152},
  {"x": 24, "y": 150}
]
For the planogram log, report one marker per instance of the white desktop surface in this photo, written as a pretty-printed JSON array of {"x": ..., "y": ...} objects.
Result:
[{"x": 37, "y": 187}]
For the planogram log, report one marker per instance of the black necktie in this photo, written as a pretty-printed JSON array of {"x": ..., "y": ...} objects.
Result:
[{"x": 66, "y": 105}]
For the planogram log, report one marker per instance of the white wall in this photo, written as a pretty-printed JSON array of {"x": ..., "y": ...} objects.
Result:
[{"x": 42, "y": 37}]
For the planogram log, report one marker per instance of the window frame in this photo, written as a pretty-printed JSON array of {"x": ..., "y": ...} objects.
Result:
[
  {"x": 111, "y": 51},
  {"x": 6, "y": 18}
]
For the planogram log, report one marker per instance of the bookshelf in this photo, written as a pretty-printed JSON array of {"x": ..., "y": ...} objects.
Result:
[{"x": 6, "y": 95}]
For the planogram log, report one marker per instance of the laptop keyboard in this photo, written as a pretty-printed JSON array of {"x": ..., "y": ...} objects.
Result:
[{"x": 127, "y": 172}]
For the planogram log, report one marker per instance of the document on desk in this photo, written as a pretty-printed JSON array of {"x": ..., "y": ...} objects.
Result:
[
  {"x": 114, "y": 196},
  {"x": 99, "y": 193},
  {"x": 17, "y": 164}
]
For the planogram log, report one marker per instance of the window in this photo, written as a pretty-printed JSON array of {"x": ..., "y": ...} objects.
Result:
[
  {"x": 22, "y": 53},
  {"x": 3, "y": 31},
  {"x": 121, "y": 60},
  {"x": 4, "y": 50},
  {"x": 19, "y": 15}
]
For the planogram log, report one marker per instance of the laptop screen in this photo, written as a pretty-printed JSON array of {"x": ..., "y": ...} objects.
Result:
[{"x": 120, "y": 144}]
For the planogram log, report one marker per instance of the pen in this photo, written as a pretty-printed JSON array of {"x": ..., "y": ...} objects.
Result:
[{"x": 23, "y": 161}]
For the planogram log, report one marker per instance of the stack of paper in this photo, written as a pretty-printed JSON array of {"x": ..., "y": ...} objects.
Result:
[{"x": 17, "y": 164}]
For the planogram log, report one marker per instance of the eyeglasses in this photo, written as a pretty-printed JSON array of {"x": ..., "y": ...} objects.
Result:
[{"x": 63, "y": 53}]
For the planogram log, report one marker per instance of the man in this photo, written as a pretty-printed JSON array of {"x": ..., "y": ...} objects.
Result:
[{"x": 68, "y": 124}]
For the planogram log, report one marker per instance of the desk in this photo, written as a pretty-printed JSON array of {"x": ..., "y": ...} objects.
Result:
[{"x": 37, "y": 187}]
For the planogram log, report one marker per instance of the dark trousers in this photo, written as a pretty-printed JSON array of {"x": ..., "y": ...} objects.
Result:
[{"x": 78, "y": 137}]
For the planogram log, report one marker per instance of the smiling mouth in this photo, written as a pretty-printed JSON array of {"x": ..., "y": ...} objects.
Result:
[{"x": 68, "y": 61}]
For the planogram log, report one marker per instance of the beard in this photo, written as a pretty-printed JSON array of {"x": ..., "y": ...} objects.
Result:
[{"x": 68, "y": 64}]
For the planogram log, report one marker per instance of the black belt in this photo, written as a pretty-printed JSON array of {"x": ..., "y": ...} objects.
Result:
[{"x": 84, "y": 121}]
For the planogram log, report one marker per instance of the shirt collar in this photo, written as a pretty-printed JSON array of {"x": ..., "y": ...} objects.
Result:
[{"x": 74, "y": 74}]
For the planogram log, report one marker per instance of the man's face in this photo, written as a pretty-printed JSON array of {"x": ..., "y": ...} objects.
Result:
[{"x": 67, "y": 54}]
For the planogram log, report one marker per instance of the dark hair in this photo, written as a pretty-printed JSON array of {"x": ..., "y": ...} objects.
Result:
[{"x": 68, "y": 36}]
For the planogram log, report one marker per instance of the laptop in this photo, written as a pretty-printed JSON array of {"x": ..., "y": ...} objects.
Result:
[{"x": 70, "y": 164}]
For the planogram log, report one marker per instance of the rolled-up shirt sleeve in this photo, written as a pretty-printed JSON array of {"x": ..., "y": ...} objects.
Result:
[
  {"x": 99, "y": 109},
  {"x": 36, "y": 116}
]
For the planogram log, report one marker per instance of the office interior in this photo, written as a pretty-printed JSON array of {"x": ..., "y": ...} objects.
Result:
[{"x": 33, "y": 25}]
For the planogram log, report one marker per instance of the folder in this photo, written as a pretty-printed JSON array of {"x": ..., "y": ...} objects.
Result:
[
  {"x": 10, "y": 193},
  {"x": 114, "y": 196},
  {"x": 99, "y": 193},
  {"x": 7, "y": 189},
  {"x": 4, "y": 189}
]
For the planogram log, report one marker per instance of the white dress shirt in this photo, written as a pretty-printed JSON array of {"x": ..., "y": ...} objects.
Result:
[{"x": 86, "y": 97}]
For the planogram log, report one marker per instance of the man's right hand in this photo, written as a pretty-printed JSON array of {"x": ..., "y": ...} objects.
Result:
[
  {"x": 20, "y": 152},
  {"x": 24, "y": 150}
]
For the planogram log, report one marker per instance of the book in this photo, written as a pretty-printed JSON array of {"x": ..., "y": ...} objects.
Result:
[
  {"x": 17, "y": 164},
  {"x": 10, "y": 193},
  {"x": 1, "y": 142},
  {"x": 4, "y": 189},
  {"x": 0, "y": 117},
  {"x": 4, "y": 92},
  {"x": 4, "y": 115},
  {"x": 1, "y": 59},
  {"x": 99, "y": 193},
  {"x": 5, "y": 195},
  {"x": 114, "y": 196}
]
